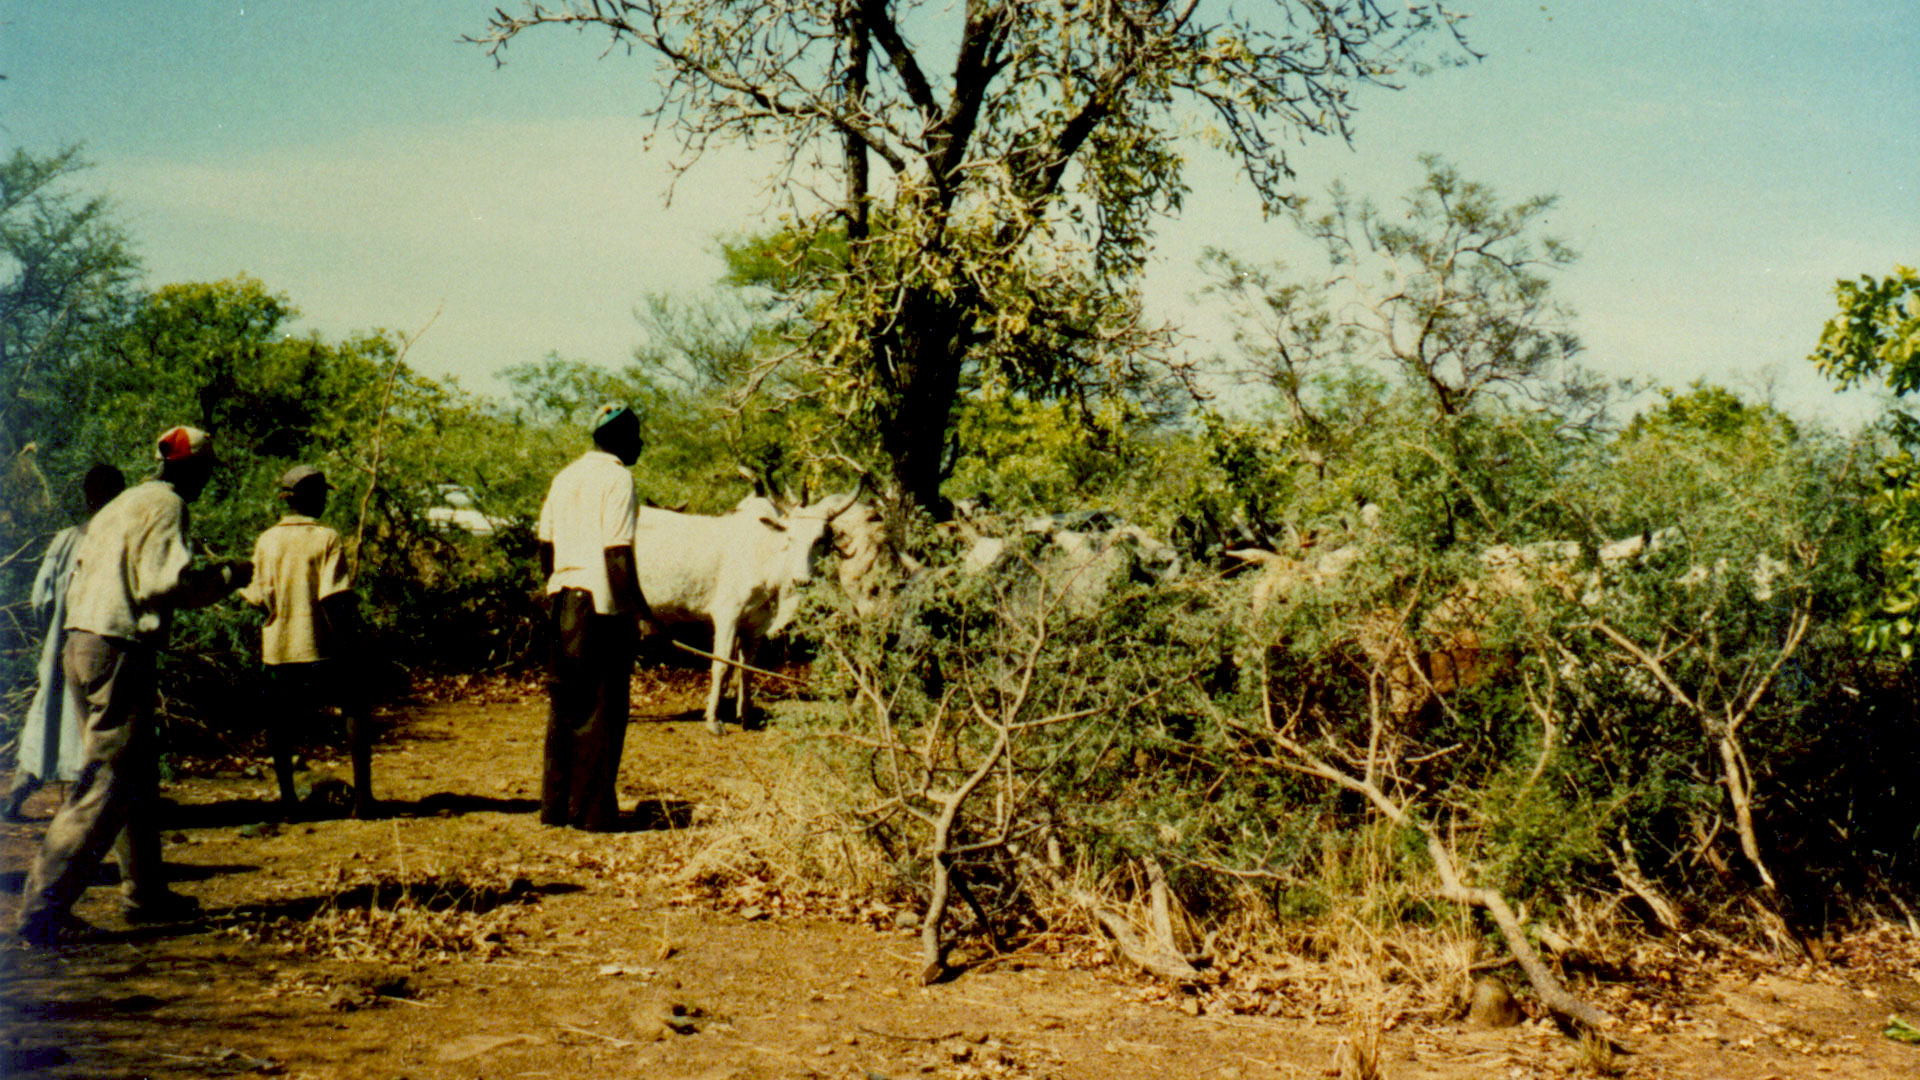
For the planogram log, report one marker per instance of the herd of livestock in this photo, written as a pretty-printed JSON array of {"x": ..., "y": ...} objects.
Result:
[{"x": 742, "y": 573}]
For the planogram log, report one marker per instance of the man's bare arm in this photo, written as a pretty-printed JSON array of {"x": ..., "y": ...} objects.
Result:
[{"x": 624, "y": 578}]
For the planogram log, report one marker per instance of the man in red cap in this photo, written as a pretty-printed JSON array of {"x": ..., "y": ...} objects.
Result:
[
  {"x": 132, "y": 570},
  {"x": 300, "y": 577}
]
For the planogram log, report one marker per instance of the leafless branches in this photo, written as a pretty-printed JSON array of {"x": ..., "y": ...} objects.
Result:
[{"x": 1400, "y": 803}]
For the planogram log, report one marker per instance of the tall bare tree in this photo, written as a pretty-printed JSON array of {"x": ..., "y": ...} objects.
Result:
[{"x": 1004, "y": 164}]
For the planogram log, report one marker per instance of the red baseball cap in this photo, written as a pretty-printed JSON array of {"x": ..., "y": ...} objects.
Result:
[{"x": 182, "y": 443}]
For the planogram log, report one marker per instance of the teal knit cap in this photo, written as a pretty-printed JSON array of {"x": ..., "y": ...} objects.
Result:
[{"x": 608, "y": 413}]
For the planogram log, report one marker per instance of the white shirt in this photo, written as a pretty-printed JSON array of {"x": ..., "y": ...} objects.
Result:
[
  {"x": 132, "y": 556},
  {"x": 589, "y": 508}
]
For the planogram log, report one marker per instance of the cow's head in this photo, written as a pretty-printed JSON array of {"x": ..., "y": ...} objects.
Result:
[
  {"x": 805, "y": 535},
  {"x": 813, "y": 528},
  {"x": 871, "y": 561}
]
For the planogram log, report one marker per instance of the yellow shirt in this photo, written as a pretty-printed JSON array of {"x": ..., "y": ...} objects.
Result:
[{"x": 296, "y": 564}]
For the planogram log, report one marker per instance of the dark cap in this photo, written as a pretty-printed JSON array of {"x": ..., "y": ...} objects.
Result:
[{"x": 303, "y": 476}]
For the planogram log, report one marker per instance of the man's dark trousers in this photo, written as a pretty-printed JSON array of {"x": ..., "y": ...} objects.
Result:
[{"x": 589, "y": 673}]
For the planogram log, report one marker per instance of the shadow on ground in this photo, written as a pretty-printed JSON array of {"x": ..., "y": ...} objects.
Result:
[
  {"x": 107, "y": 873},
  {"x": 756, "y": 720},
  {"x": 231, "y": 812},
  {"x": 651, "y": 815}
]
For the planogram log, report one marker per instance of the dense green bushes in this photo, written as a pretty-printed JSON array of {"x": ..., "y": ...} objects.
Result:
[{"x": 217, "y": 356}]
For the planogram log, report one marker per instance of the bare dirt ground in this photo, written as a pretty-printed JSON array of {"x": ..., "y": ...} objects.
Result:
[{"x": 457, "y": 938}]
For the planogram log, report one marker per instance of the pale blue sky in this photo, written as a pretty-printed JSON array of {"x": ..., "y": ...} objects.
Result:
[{"x": 1718, "y": 163}]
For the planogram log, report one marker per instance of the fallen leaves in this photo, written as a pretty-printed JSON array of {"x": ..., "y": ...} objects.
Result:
[{"x": 471, "y": 912}]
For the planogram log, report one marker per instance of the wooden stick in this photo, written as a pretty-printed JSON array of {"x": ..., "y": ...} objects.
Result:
[{"x": 704, "y": 654}]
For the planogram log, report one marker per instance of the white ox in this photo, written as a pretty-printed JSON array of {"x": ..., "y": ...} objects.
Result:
[
  {"x": 1080, "y": 553},
  {"x": 740, "y": 573}
]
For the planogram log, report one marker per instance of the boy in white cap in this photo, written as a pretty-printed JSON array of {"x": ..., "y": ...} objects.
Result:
[
  {"x": 300, "y": 577},
  {"x": 586, "y": 553},
  {"x": 132, "y": 570}
]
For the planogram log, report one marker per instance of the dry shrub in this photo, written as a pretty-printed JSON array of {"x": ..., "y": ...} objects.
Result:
[
  {"x": 1598, "y": 1057},
  {"x": 406, "y": 917},
  {"x": 777, "y": 843}
]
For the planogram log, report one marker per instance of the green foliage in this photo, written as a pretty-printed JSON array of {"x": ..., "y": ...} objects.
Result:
[
  {"x": 1049, "y": 337},
  {"x": 1711, "y": 410},
  {"x": 1876, "y": 337},
  {"x": 219, "y": 356},
  {"x": 1449, "y": 292},
  {"x": 685, "y": 380},
  {"x": 1094, "y": 719},
  {"x": 68, "y": 271},
  {"x": 1038, "y": 457},
  {"x": 1694, "y": 568}
]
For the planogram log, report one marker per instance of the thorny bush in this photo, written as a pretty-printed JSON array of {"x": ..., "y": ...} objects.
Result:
[{"x": 1620, "y": 690}]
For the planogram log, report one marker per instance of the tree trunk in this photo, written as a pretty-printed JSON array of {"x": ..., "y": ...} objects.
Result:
[{"x": 926, "y": 372}]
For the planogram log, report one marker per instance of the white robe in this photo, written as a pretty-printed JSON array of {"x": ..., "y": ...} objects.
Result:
[{"x": 50, "y": 739}]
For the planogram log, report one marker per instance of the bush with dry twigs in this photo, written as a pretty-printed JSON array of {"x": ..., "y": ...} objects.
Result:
[{"x": 1491, "y": 745}]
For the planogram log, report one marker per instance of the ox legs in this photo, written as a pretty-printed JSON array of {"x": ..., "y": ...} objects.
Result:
[
  {"x": 730, "y": 648},
  {"x": 743, "y": 652},
  {"x": 725, "y": 638}
]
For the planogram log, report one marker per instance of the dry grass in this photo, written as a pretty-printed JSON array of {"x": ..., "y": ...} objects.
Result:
[
  {"x": 1379, "y": 946},
  {"x": 402, "y": 917},
  {"x": 1598, "y": 1057},
  {"x": 1357, "y": 1057},
  {"x": 779, "y": 832}
]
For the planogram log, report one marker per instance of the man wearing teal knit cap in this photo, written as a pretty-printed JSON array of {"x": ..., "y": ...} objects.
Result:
[{"x": 586, "y": 552}]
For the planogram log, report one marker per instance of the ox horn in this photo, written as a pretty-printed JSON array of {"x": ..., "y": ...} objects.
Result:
[
  {"x": 754, "y": 480},
  {"x": 859, "y": 489}
]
